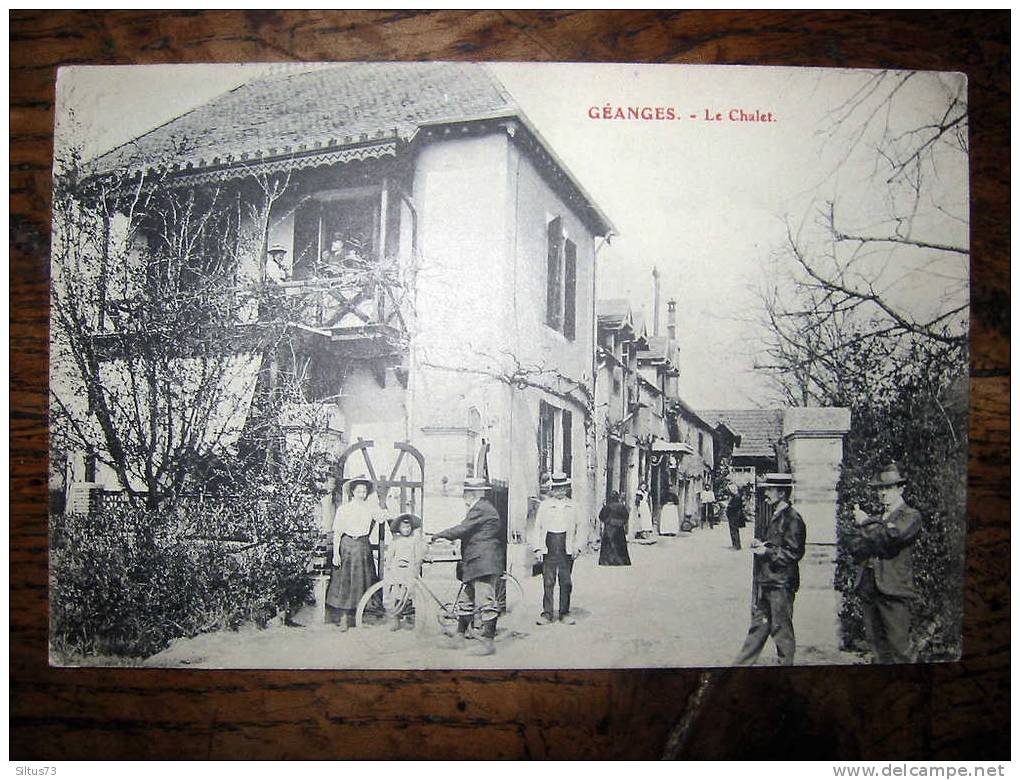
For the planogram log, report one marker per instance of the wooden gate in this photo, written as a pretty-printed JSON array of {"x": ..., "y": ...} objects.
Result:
[{"x": 410, "y": 492}]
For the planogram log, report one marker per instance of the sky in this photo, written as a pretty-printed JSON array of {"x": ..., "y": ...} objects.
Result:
[{"x": 704, "y": 199}]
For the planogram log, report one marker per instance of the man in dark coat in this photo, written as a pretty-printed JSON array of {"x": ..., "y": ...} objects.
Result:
[
  {"x": 883, "y": 546},
  {"x": 735, "y": 516},
  {"x": 777, "y": 575},
  {"x": 483, "y": 554}
]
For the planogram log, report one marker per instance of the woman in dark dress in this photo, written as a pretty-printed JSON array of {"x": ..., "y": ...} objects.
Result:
[{"x": 614, "y": 517}]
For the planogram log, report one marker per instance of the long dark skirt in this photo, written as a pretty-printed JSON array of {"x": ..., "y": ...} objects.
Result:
[
  {"x": 355, "y": 574},
  {"x": 613, "y": 551}
]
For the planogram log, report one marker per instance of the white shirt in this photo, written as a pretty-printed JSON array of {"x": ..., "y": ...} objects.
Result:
[
  {"x": 556, "y": 516},
  {"x": 355, "y": 518}
]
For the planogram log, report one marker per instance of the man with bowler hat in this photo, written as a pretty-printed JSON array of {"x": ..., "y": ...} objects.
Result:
[
  {"x": 482, "y": 563},
  {"x": 883, "y": 545},
  {"x": 777, "y": 575}
]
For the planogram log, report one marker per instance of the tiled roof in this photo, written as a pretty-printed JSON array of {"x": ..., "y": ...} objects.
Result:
[
  {"x": 332, "y": 106},
  {"x": 658, "y": 349},
  {"x": 759, "y": 429},
  {"x": 612, "y": 312},
  {"x": 687, "y": 412}
]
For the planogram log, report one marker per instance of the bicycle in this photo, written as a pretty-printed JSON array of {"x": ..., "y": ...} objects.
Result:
[{"x": 397, "y": 596}]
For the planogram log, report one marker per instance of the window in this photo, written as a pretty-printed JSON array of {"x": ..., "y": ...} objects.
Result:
[
  {"x": 701, "y": 443},
  {"x": 555, "y": 441},
  {"x": 546, "y": 439},
  {"x": 336, "y": 229},
  {"x": 561, "y": 280},
  {"x": 474, "y": 427}
]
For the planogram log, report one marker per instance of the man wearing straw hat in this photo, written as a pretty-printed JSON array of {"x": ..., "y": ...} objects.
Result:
[
  {"x": 559, "y": 537},
  {"x": 883, "y": 545},
  {"x": 777, "y": 575},
  {"x": 482, "y": 564}
]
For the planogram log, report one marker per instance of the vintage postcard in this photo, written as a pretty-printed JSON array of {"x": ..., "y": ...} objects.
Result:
[{"x": 460, "y": 365}]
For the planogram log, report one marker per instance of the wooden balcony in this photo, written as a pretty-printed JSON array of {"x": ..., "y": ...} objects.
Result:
[{"x": 356, "y": 313}]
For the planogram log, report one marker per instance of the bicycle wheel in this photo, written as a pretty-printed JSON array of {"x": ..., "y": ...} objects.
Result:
[
  {"x": 448, "y": 613},
  {"x": 394, "y": 596},
  {"x": 509, "y": 593}
]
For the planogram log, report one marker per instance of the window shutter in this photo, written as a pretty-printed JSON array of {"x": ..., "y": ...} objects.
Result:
[
  {"x": 568, "y": 448},
  {"x": 554, "y": 285},
  {"x": 569, "y": 288}
]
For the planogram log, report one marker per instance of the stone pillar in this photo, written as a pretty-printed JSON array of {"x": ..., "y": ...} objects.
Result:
[{"x": 814, "y": 439}]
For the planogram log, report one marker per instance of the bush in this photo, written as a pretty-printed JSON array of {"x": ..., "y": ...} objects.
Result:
[
  {"x": 922, "y": 425},
  {"x": 129, "y": 580}
]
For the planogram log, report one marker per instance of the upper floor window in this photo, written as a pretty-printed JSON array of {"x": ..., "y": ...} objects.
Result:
[
  {"x": 343, "y": 229},
  {"x": 561, "y": 280}
]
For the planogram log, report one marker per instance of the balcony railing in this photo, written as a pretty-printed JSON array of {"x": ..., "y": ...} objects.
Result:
[{"x": 356, "y": 306}]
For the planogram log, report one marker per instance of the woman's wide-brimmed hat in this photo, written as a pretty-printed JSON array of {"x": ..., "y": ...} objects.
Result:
[
  {"x": 361, "y": 479},
  {"x": 476, "y": 485},
  {"x": 410, "y": 517},
  {"x": 888, "y": 476},
  {"x": 776, "y": 480}
]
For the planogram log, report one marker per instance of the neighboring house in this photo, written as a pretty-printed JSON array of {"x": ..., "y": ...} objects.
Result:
[
  {"x": 696, "y": 461},
  {"x": 616, "y": 398},
  {"x": 437, "y": 259},
  {"x": 760, "y": 433},
  {"x": 647, "y": 433}
]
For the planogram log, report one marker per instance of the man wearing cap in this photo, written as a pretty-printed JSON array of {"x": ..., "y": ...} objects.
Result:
[
  {"x": 883, "y": 546},
  {"x": 559, "y": 537},
  {"x": 777, "y": 575},
  {"x": 482, "y": 563}
]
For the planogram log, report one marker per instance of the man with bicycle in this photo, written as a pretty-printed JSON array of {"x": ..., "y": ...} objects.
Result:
[{"x": 482, "y": 563}]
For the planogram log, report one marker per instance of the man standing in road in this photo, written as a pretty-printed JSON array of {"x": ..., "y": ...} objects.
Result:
[
  {"x": 776, "y": 575},
  {"x": 735, "y": 515},
  {"x": 558, "y": 538},
  {"x": 883, "y": 546},
  {"x": 482, "y": 564}
]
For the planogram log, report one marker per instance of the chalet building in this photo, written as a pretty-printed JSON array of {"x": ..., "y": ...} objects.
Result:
[{"x": 434, "y": 258}]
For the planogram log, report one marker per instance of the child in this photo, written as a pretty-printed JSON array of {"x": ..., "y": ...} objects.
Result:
[{"x": 404, "y": 555}]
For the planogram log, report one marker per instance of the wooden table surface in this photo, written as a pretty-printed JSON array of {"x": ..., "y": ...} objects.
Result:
[{"x": 947, "y": 711}]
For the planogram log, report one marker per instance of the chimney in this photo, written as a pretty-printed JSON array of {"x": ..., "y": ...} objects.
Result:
[
  {"x": 656, "y": 314},
  {"x": 671, "y": 319}
]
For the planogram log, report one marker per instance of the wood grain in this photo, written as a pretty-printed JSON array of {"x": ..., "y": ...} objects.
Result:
[{"x": 950, "y": 711}]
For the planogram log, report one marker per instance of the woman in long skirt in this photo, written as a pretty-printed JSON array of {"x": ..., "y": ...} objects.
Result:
[
  {"x": 354, "y": 569},
  {"x": 614, "y": 517}
]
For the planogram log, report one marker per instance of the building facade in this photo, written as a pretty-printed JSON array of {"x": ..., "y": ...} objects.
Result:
[{"x": 430, "y": 260}]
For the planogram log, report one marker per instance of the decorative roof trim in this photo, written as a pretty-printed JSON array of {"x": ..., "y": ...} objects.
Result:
[{"x": 225, "y": 170}]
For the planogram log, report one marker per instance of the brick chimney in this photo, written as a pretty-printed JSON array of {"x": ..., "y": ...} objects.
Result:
[{"x": 671, "y": 319}]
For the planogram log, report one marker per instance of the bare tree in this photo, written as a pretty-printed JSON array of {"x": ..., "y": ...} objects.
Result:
[
  {"x": 164, "y": 331},
  {"x": 880, "y": 261}
]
